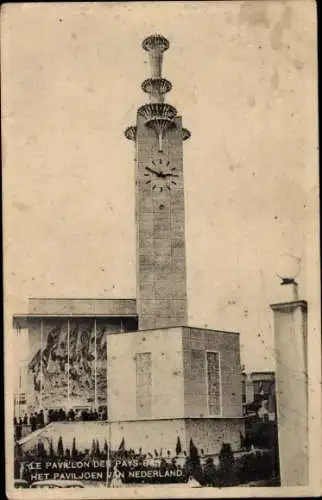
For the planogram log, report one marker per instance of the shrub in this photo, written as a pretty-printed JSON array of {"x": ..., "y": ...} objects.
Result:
[
  {"x": 74, "y": 450},
  {"x": 254, "y": 467},
  {"x": 192, "y": 466},
  {"x": 226, "y": 476},
  {"x": 60, "y": 447},
  {"x": 178, "y": 446},
  {"x": 210, "y": 476}
]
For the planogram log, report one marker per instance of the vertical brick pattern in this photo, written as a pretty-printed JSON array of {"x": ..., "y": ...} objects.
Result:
[
  {"x": 143, "y": 362},
  {"x": 160, "y": 222},
  {"x": 196, "y": 388},
  {"x": 213, "y": 383}
]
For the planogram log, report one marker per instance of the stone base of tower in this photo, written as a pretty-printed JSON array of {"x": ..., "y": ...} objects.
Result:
[
  {"x": 207, "y": 434},
  {"x": 175, "y": 382}
]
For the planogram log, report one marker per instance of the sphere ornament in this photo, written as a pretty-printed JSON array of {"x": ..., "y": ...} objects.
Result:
[
  {"x": 130, "y": 133},
  {"x": 185, "y": 134},
  {"x": 288, "y": 267}
]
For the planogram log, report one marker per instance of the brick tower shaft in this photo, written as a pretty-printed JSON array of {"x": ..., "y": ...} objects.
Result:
[{"x": 160, "y": 206}]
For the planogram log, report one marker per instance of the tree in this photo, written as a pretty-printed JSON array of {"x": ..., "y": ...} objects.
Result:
[
  {"x": 74, "y": 450},
  {"x": 93, "y": 450},
  {"x": 105, "y": 448},
  {"x": 98, "y": 451},
  {"x": 51, "y": 449},
  {"x": 193, "y": 466},
  {"x": 60, "y": 447},
  {"x": 122, "y": 445},
  {"x": 178, "y": 446},
  {"x": 41, "y": 452},
  {"x": 193, "y": 452}
]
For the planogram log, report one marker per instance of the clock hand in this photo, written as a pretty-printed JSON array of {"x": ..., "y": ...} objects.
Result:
[
  {"x": 153, "y": 171},
  {"x": 169, "y": 175}
]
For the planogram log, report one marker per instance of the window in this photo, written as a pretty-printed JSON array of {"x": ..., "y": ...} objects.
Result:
[
  {"x": 213, "y": 383},
  {"x": 143, "y": 362}
]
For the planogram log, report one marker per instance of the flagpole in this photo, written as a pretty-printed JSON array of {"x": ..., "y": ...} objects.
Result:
[
  {"x": 17, "y": 403},
  {"x": 95, "y": 365},
  {"x": 41, "y": 360},
  {"x": 68, "y": 363},
  {"x": 19, "y": 407},
  {"x": 16, "y": 410},
  {"x": 108, "y": 421}
]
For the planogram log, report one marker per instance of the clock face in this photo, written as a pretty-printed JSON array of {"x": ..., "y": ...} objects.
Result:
[{"x": 161, "y": 175}]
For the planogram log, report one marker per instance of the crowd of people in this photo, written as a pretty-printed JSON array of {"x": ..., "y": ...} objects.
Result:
[
  {"x": 72, "y": 415},
  {"x": 30, "y": 423},
  {"x": 38, "y": 419}
]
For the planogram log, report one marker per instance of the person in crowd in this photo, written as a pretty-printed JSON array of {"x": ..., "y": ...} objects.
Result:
[
  {"x": 18, "y": 432},
  {"x": 33, "y": 422},
  {"x": 61, "y": 415},
  {"x": 71, "y": 415},
  {"x": 46, "y": 421},
  {"x": 41, "y": 419},
  {"x": 25, "y": 419}
]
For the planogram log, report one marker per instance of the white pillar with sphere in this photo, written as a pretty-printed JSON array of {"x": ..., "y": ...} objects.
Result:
[{"x": 290, "y": 328}]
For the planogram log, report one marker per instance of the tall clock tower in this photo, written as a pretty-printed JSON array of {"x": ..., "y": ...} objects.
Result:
[
  {"x": 160, "y": 211},
  {"x": 168, "y": 378}
]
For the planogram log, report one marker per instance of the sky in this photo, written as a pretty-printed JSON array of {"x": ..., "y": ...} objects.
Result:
[{"x": 243, "y": 76}]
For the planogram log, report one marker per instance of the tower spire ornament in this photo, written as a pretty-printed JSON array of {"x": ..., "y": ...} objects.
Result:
[{"x": 158, "y": 115}]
